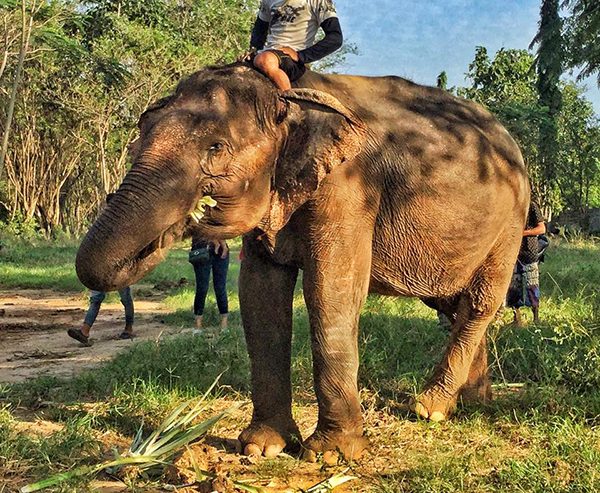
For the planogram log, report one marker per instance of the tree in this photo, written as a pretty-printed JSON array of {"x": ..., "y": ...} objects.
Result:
[
  {"x": 583, "y": 32},
  {"x": 26, "y": 29},
  {"x": 442, "y": 80},
  {"x": 549, "y": 66},
  {"x": 579, "y": 155},
  {"x": 506, "y": 85}
]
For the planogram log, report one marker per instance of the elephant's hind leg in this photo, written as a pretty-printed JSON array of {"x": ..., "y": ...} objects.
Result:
[
  {"x": 463, "y": 371},
  {"x": 266, "y": 296}
]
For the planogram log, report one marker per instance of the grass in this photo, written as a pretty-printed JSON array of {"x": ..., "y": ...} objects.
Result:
[{"x": 541, "y": 432}]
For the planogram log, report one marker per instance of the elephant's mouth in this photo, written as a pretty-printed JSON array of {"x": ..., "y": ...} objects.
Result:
[
  {"x": 155, "y": 251},
  {"x": 149, "y": 256}
]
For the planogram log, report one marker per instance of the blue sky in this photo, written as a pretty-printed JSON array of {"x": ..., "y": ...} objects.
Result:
[{"x": 417, "y": 39}]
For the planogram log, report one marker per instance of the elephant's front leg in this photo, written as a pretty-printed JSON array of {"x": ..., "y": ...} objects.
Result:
[
  {"x": 266, "y": 294},
  {"x": 335, "y": 287}
]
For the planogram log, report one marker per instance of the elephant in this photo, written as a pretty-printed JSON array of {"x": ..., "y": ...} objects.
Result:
[{"x": 367, "y": 185}]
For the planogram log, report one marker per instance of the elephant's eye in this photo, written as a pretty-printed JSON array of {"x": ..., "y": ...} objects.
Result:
[{"x": 216, "y": 147}]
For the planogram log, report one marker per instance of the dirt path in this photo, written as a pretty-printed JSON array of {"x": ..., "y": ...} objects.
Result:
[{"x": 33, "y": 339}]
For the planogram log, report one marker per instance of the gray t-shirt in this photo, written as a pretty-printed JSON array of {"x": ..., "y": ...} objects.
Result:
[{"x": 294, "y": 23}]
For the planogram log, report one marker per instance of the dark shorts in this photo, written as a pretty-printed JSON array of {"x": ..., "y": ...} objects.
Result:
[{"x": 294, "y": 70}]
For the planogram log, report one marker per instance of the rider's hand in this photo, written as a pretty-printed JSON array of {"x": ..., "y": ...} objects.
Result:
[
  {"x": 224, "y": 249},
  {"x": 293, "y": 54}
]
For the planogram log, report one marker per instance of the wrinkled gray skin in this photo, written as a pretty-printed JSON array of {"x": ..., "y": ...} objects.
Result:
[{"x": 391, "y": 188}]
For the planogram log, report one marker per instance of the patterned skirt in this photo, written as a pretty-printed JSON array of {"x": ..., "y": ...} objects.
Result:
[{"x": 524, "y": 288}]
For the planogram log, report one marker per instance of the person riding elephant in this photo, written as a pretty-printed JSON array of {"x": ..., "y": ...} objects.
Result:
[{"x": 366, "y": 184}]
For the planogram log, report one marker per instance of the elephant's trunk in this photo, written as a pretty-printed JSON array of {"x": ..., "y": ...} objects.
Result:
[{"x": 135, "y": 229}]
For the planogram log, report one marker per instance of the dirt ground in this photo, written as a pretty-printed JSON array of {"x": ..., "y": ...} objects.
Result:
[{"x": 34, "y": 341}]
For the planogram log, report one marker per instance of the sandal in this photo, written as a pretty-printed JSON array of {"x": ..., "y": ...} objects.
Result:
[
  {"x": 79, "y": 336},
  {"x": 125, "y": 335}
]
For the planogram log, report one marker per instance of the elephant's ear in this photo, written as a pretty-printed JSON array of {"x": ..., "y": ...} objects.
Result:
[
  {"x": 133, "y": 148},
  {"x": 322, "y": 134}
]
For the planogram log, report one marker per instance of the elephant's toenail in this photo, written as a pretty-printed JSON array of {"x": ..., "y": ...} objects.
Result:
[
  {"x": 420, "y": 410},
  {"x": 272, "y": 451},
  {"x": 252, "y": 449}
]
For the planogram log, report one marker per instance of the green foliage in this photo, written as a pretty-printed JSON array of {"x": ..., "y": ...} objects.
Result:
[
  {"x": 583, "y": 29},
  {"x": 579, "y": 150},
  {"x": 39, "y": 454},
  {"x": 19, "y": 227},
  {"x": 506, "y": 85}
]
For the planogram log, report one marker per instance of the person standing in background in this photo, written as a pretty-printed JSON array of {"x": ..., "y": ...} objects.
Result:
[
  {"x": 206, "y": 256},
  {"x": 96, "y": 298},
  {"x": 524, "y": 288}
]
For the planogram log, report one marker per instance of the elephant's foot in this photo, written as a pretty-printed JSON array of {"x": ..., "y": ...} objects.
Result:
[
  {"x": 271, "y": 437},
  {"x": 430, "y": 405},
  {"x": 350, "y": 445}
]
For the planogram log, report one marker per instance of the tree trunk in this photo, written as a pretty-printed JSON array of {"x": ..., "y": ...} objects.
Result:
[{"x": 25, "y": 37}]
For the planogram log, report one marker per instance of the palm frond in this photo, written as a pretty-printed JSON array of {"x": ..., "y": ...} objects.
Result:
[{"x": 173, "y": 434}]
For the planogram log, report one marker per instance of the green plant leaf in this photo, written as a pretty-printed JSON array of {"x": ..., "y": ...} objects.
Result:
[{"x": 169, "y": 437}]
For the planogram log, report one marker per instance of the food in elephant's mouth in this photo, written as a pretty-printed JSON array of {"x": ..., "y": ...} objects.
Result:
[{"x": 198, "y": 212}]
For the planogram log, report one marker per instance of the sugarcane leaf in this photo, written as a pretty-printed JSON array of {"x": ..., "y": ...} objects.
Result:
[
  {"x": 167, "y": 424},
  {"x": 170, "y": 436},
  {"x": 162, "y": 442},
  {"x": 194, "y": 412},
  {"x": 171, "y": 420},
  {"x": 56, "y": 479},
  {"x": 198, "y": 430},
  {"x": 137, "y": 440},
  {"x": 198, "y": 473},
  {"x": 247, "y": 487},
  {"x": 81, "y": 471}
]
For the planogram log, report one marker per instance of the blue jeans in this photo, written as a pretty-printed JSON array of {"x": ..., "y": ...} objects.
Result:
[
  {"x": 96, "y": 299},
  {"x": 219, "y": 267}
]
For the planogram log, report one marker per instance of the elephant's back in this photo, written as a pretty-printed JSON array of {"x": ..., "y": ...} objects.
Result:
[{"x": 397, "y": 109}]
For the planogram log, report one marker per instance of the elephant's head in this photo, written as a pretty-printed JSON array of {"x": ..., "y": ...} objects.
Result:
[{"x": 226, "y": 133}]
